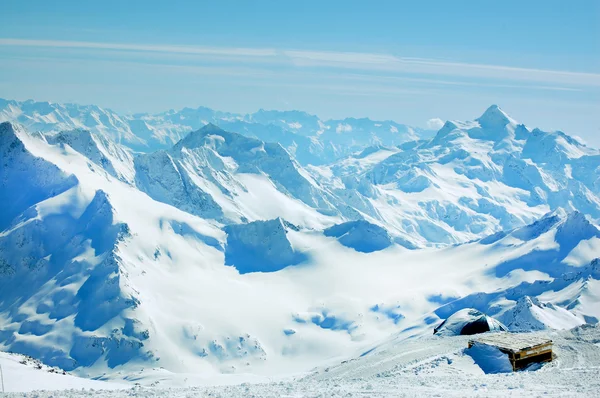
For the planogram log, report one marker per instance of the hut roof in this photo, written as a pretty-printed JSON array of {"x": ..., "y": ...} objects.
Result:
[{"x": 512, "y": 342}]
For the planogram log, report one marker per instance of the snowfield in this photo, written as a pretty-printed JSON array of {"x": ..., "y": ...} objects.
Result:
[
  {"x": 430, "y": 366},
  {"x": 224, "y": 259},
  {"x": 24, "y": 374}
]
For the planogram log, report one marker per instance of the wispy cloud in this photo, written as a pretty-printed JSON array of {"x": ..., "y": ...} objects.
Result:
[
  {"x": 435, "y": 123},
  {"x": 343, "y": 128},
  {"x": 383, "y": 66},
  {"x": 180, "y": 49},
  {"x": 393, "y": 63},
  {"x": 342, "y": 81}
]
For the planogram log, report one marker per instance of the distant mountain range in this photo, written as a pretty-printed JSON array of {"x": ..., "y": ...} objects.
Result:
[{"x": 310, "y": 139}]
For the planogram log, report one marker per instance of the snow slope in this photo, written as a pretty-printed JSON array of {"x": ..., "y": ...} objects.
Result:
[
  {"x": 26, "y": 179},
  {"x": 24, "y": 374},
  {"x": 424, "y": 367},
  {"x": 113, "y": 158}
]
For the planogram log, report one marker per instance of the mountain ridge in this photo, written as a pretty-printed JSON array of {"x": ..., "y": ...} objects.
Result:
[{"x": 143, "y": 132}]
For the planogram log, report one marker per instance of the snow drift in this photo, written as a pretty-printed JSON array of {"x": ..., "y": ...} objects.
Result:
[{"x": 468, "y": 321}]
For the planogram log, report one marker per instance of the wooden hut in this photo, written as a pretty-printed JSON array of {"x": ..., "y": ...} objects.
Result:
[{"x": 522, "y": 348}]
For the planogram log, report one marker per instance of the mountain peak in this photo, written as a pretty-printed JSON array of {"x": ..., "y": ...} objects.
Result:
[
  {"x": 211, "y": 128},
  {"x": 6, "y": 128},
  {"x": 494, "y": 116},
  {"x": 196, "y": 138},
  {"x": 206, "y": 135},
  {"x": 8, "y": 133},
  {"x": 445, "y": 131}
]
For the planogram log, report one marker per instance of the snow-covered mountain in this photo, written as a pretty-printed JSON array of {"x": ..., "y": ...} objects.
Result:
[
  {"x": 562, "y": 246},
  {"x": 470, "y": 180},
  {"x": 231, "y": 178},
  {"x": 53, "y": 117},
  {"x": 222, "y": 253}
]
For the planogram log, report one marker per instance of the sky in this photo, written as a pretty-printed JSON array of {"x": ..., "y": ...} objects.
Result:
[{"x": 409, "y": 61}]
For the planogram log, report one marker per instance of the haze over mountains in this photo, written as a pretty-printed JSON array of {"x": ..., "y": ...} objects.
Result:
[
  {"x": 310, "y": 139},
  {"x": 126, "y": 239}
]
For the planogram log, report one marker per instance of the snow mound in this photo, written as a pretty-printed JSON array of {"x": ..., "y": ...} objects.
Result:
[
  {"x": 531, "y": 314},
  {"x": 468, "y": 321},
  {"x": 490, "y": 359},
  {"x": 26, "y": 374},
  {"x": 360, "y": 235},
  {"x": 260, "y": 246}
]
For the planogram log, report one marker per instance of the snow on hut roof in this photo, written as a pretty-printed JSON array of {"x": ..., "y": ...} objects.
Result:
[{"x": 512, "y": 342}]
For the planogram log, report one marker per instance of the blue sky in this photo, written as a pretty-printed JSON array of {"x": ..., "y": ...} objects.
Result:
[{"x": 406, "y": 61}]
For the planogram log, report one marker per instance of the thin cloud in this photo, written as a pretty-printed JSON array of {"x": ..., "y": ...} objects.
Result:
[
  {"x": 435, "y": 123},
  {"x": 181, "y": 49},
  {"x": 361, "y": 83},
  {"x": 366, "y": 62},
  {"x": 343, "y": 128}
]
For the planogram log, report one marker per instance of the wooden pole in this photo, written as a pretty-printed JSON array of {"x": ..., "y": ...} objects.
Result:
[{"x": 2, "y": 378}]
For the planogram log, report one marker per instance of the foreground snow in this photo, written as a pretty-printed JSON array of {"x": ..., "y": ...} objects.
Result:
[
  {"x": 24, "y": 374},
  {"x": 429, "y": 366}
]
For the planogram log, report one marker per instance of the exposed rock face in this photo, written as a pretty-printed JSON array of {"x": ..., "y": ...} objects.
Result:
[
  {"x": 361, "y": 236},
  {"x": 260, "y": 246}
]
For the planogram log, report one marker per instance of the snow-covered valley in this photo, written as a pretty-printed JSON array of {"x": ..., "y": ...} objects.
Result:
[{"x": 217, "y": 256}]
